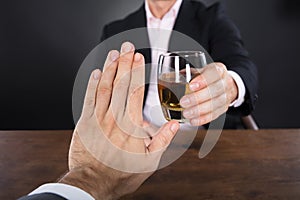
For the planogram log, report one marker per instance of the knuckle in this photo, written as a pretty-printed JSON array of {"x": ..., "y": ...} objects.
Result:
[
  {"x": 221, "y": 69},
  {"x": 136, "y": 92},
  {"x": 205, "y": 119},
  {"x": 206, "y": 108},
  {"x": 198, "y": 110},
  {"x": 206, "y": 94},
  {"x": 196, "y": 122},
  {"x": 199, "y": 78},
  {"x": 92, "y": 87},
  {"x": 210, "y": 116},
  {"x": 194, "y": 97},
  {"x": 219, "y": 112},
  {"x": 90, "y": 101},
  {"x": 221, "y": 65},
  {"x": 125, "y": 60},
  {"x": 212, "y": 91},
  {"x": 123, "y": 80},
  {"x": 222, "y": 100},
  {"x": 203, "y": 79},
  {"x": 219, "y": 89},
  {"x": 200, "y": 96},
  {"x": 104, "y": 90},
  {"x": 222, "y": 85},
  {"x": 164, "y": 139},
  {"x": 214, "y": 116},
  {"x": 211, "y": 106}
]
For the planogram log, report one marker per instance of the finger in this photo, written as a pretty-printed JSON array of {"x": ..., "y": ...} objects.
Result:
[
  {"x": 111, "y": 59},
  {"x": 122, "y": 79},
  {"x": 90, "y": 95},
  {"x": 209, "y": 75},
  {"x": 206, "y": 107},
  {"x": 125, "y": 60},
  {"x": 207, "y": 118},
  {"x": 106, "y": 84},
  {"x": 136, "y": 90},
  {"x": 213, "y": 90},
  {"x": 164, "y": 136}
]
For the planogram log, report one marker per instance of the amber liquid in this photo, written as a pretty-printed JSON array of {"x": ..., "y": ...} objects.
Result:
[{"x": 170, "y": 93}]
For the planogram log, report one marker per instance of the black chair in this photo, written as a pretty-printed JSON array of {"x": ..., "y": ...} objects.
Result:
[{"x": 249, "y": 123}]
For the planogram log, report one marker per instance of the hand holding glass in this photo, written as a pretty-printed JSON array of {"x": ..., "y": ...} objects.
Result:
[{"x": 175, "y": 71}]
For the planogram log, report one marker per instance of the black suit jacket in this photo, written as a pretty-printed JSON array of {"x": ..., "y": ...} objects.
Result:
[{"x": 212, "y": 28}]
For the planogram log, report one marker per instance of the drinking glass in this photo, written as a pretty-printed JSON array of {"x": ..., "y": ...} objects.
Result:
[{"x": 175, "y": 71}]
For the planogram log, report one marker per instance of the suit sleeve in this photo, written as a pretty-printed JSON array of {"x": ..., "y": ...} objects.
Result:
[
  {"x": 42, "y": 196},
  {"x": 226, "y": 46},
  {"x": 58, "y": 191}
]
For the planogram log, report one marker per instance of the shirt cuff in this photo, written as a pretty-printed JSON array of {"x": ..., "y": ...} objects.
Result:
[
  {"x": 63, "y": 190},
  {"x": 241, "y": 89}
]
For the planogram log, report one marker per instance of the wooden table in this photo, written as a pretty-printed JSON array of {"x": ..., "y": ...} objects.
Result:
[{"x": 243, "y": 165}]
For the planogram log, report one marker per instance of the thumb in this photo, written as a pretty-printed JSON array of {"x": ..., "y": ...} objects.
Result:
[{"x": 164, "y": 136}]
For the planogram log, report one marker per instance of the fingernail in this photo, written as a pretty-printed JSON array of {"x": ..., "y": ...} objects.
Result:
[
  {"x": 137, "y": 57},
  {"x": 220, "y": 69},
  {"x": 174, "y": 127},
  {"x": 114, "y": 55},
  {"x": 126, "y": 47},
  {"x": 185, "y": 101},
  {"x": 96, "y": 74},
  {"x": 194, "y": 86},
  {"x": 188, "y": 113}
]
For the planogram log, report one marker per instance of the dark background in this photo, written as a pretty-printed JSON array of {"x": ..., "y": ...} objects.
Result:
[{"x": 42, "y": 44}]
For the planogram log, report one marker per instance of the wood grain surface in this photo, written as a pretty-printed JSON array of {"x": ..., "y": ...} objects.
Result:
[{"x": 244, "y": 164}]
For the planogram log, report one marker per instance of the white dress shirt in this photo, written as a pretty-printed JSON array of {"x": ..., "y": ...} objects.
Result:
[
  {"x": 159, "y": 31},
  {"x": 66, "y": 191}
]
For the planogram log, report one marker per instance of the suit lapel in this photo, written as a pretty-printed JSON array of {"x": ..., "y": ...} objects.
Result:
[
  {"x": 186, "y": 18},
  {"x": 187, "y": 23},
  {"x": 138, "y": 19}
]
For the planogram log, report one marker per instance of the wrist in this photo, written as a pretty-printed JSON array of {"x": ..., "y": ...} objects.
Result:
[
  {"x": 89, "y": 181},
  {"x": 241, "y": 89}
]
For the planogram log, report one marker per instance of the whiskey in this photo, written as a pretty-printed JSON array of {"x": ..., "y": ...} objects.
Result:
[{"x": 170, "y": 92}]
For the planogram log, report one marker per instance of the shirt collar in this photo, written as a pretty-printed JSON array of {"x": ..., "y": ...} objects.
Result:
[{"x": 172, "y": 13}]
